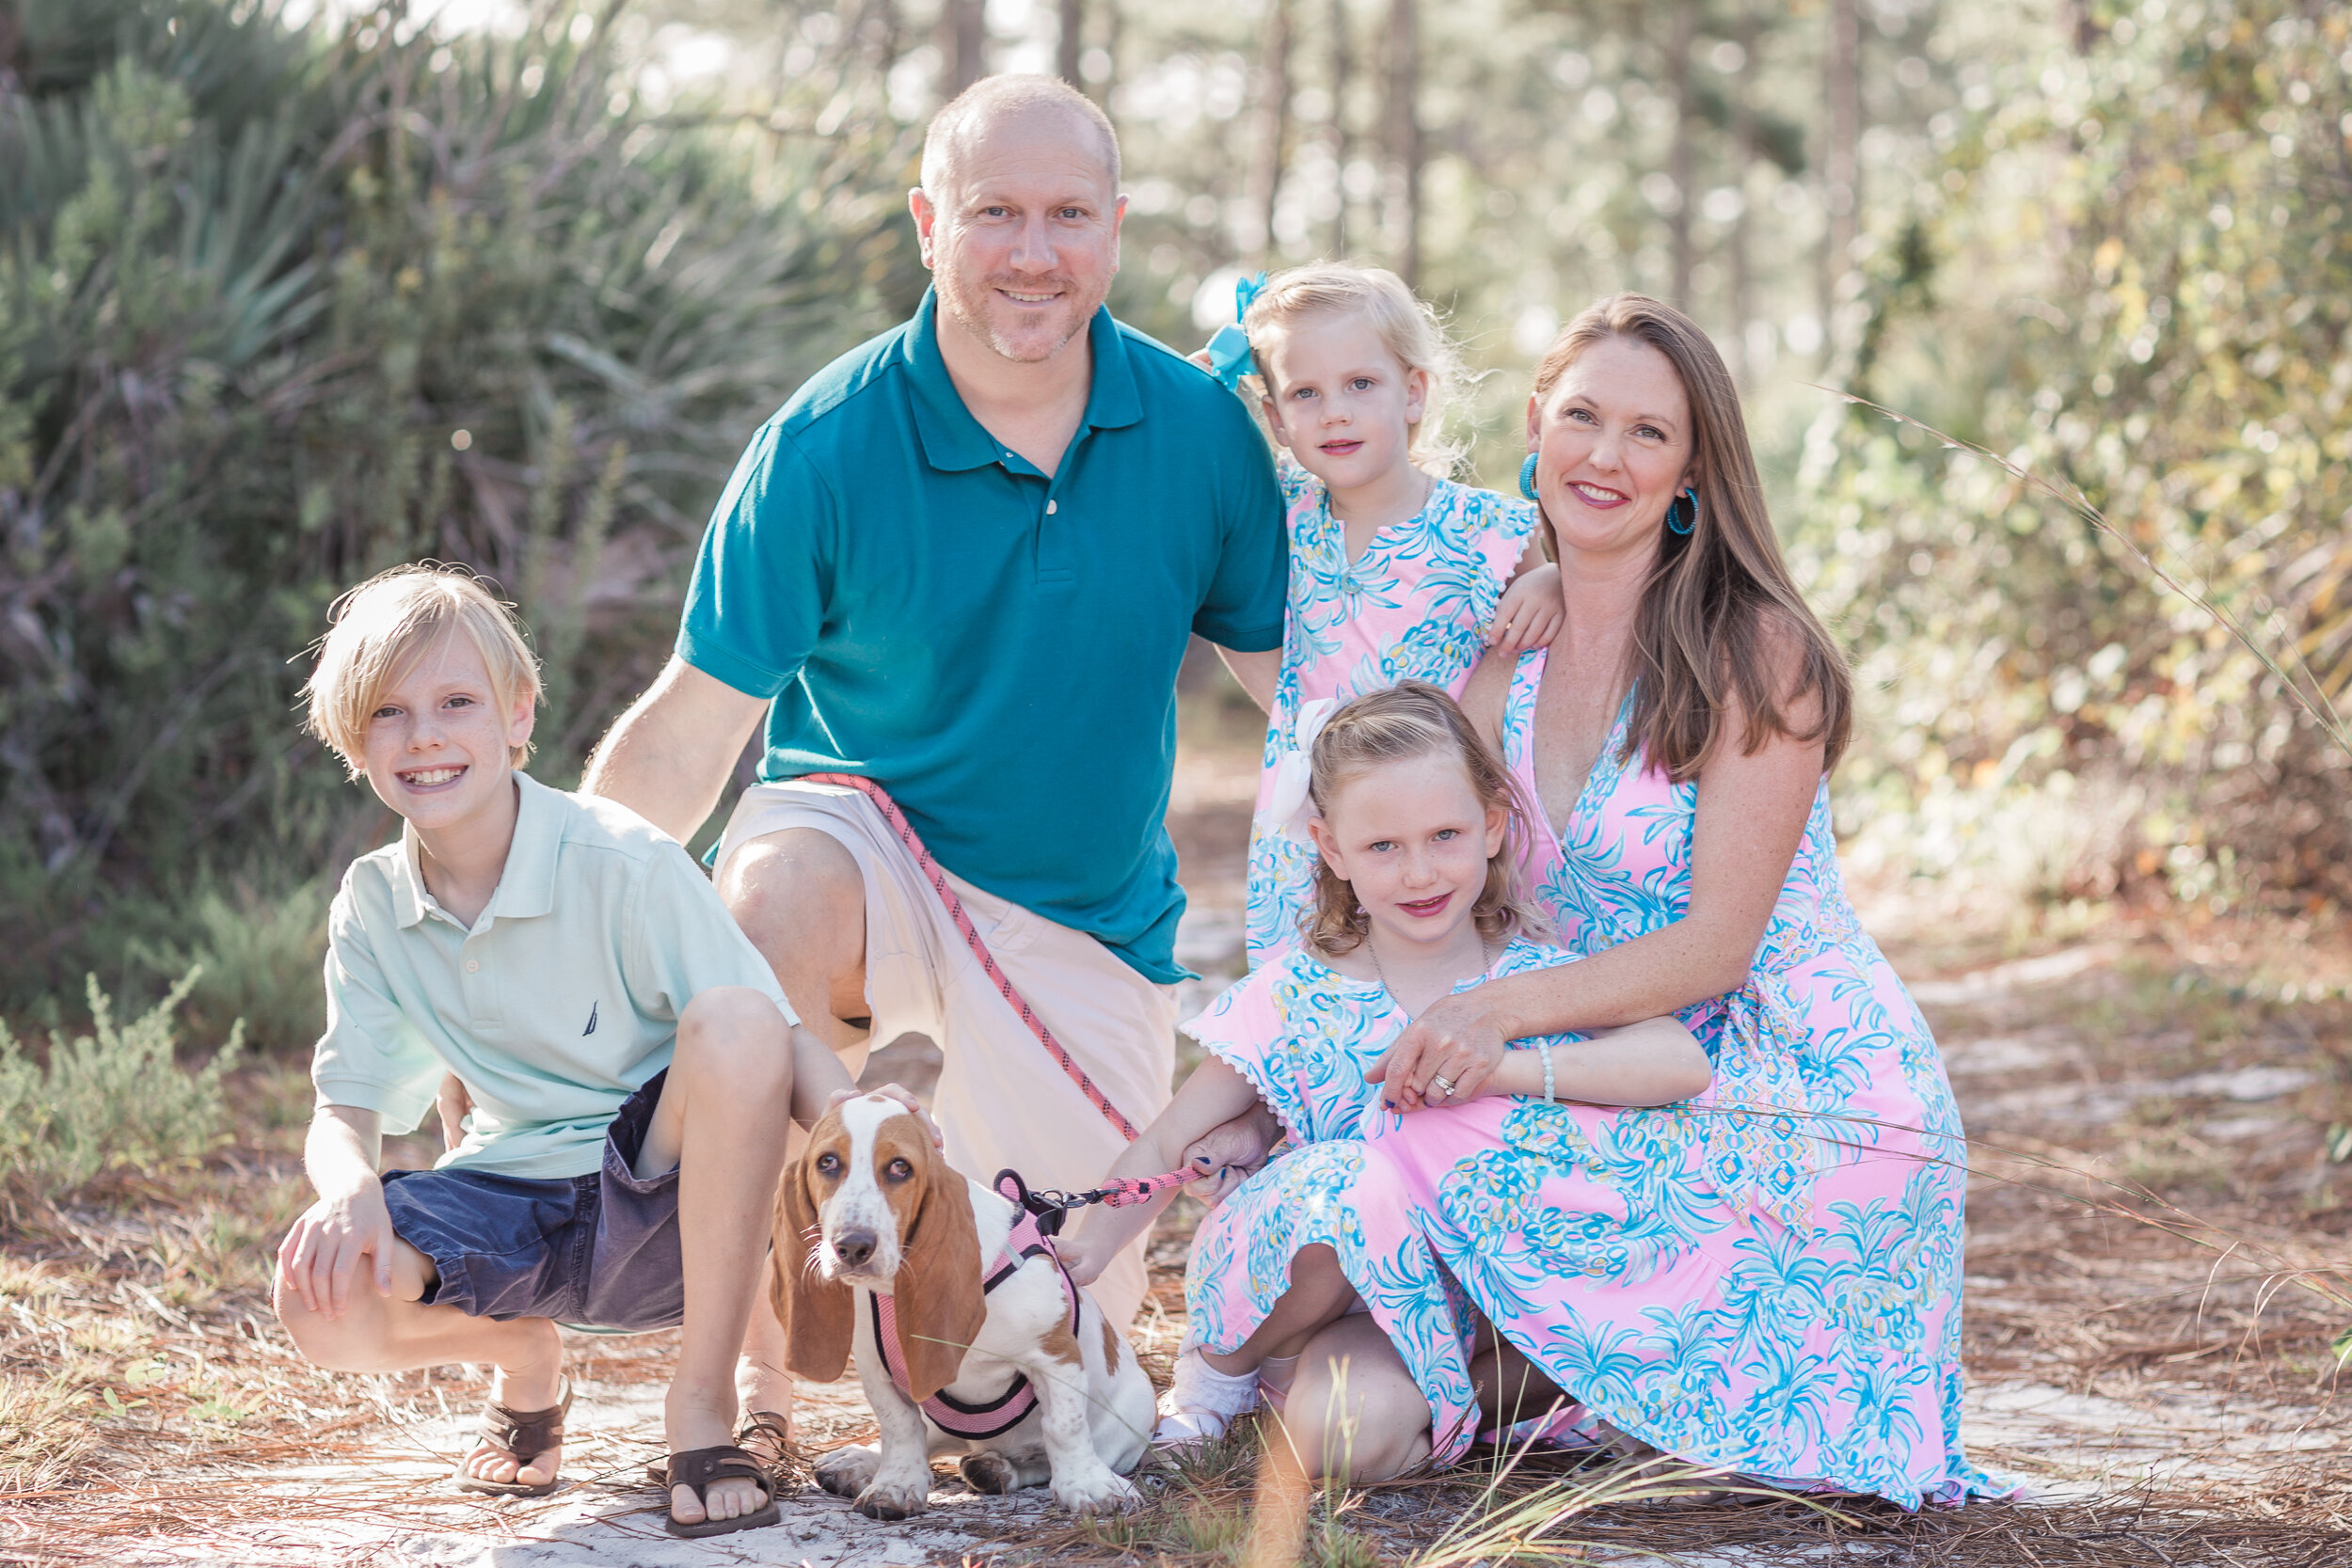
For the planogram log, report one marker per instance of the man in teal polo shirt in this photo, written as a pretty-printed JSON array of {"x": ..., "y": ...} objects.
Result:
[{"x": 964, "y": 562}]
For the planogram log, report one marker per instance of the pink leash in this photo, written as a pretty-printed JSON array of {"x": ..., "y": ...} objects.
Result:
[{"x": 1118, "y": 1195}]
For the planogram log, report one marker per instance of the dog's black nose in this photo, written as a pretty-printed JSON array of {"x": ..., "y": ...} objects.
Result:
[{"x": 854, "y": 1247}]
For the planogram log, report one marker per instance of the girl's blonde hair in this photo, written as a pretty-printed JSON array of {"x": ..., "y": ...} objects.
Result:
[
  {"x": 377, "y": 629},
  {"x": 1408, "y": 329},
  {"x": 1414, "y": 718}
]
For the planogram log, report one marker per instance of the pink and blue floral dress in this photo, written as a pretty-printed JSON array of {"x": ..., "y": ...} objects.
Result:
[
  {"x": 1413, "y": 607},
  {"x": 1765, "y": 1278}
]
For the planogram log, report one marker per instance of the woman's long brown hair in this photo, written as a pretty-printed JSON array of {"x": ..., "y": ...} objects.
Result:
[{"x": 1720, "y": 603}]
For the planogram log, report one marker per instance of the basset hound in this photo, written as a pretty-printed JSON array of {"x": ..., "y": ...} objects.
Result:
[{"x": 970, "y": 1339}]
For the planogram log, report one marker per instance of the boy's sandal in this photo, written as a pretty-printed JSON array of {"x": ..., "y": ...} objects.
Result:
[
  {"x": 698, "y": 1467},
  {"x": 764, "y": 1427},
  {"x": 522, "y": 1436}
]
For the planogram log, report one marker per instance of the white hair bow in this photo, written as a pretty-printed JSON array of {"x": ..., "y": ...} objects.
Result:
[{"x": 1287, "y": 808}]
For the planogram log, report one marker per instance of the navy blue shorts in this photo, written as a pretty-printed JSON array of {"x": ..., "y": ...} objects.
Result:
[{"x": 599, "y": 1250}]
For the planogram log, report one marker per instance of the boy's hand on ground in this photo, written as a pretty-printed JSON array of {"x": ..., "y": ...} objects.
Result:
[
  {"x": 892, "y": 1091},
  {"x": 324, "y": 1250},
  {"x": 456, "y": 1103},
  {"x": 1529, "y": 614}
]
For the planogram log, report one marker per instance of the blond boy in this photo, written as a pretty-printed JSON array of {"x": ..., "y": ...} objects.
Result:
[{"x": 627, "y": 1055}]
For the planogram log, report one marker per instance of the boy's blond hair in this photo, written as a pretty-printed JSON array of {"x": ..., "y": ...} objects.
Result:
[
  {"x": 1408, "y": 329},
  {"x": 377, "y": 629}
]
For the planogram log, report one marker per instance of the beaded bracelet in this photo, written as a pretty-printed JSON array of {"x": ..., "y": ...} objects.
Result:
[{"x": 1547, "y": 1099}]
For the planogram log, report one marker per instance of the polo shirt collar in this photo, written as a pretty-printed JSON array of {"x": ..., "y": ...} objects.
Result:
[
  {"x": 953, "y": 439},
  {"x": 526, "y": 886}
]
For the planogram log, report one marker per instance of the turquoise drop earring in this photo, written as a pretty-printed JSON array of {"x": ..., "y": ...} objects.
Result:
[{"x": 1527, "y": 478}]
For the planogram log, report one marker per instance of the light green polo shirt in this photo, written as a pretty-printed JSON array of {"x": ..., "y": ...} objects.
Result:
[{"x": 560, "y": 1002}]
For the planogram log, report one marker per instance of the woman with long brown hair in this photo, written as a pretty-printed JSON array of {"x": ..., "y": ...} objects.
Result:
[{"x": 1766, "y": 1277}]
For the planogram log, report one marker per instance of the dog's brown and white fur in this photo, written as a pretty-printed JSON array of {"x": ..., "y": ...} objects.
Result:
[{"x": 871, "y": 1207}]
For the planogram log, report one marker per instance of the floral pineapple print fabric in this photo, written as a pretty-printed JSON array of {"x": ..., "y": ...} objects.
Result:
[
  {"x": 1413, "y": 607},
  {"x": 1766, "y": 1278}
]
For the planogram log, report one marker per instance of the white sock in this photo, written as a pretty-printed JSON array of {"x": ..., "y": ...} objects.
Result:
[{"x": 1197, "y": 1386}]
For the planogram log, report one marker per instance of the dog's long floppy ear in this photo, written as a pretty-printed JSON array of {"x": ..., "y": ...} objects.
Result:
[
  {"x": 937, "y": 1292},
  {"x": 816, "y": 1312}
]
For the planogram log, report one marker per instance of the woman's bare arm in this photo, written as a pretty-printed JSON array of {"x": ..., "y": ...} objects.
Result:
[{"x": 1751, "y": 811}]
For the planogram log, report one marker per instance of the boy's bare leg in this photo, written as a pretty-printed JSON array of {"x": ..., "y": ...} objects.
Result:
[
  {"x": 723, "y": 1118},
  {"x": 396, "y": 1333}
]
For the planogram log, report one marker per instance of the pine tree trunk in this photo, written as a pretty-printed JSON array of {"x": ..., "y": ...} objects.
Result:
[
  {"x": 1744, "y": 155},
  {"x": 1270, "y": 158},
  {"x": 1685, "y": 19},
  {"x": 964, "y": 44},
  {"x": 1342, "y": 148},
  {"x": 1072, "y": 41},
  {"x": 881, "y": 34},
  {"x": 1407, "y": 148},
  {"x": 1841, "y": 167}
]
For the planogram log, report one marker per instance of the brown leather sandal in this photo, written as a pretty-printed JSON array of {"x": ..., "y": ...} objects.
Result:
[
  {"x": 698, "y": 1467},
  {"x": 762, "y": 1426},
  {"x": 522, "y": 1436}
]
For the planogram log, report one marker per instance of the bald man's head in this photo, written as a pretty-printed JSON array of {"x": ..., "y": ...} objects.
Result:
[
  {"x": 1018, "y": 216},
  {"x": 999, "y": 99}
]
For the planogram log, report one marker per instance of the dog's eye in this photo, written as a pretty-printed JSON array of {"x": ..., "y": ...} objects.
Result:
[
  {"x": 829, "y": 1164},
  {"x": 897, "y": 1170}
]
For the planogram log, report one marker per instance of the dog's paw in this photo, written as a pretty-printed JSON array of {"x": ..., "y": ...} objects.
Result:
[
  {"x": 1094, "y": 1496},
  {"x": 895, "y": 1499},
  {"x": 990, "y": 1472},
  {"x": 847, "y": 1472}
]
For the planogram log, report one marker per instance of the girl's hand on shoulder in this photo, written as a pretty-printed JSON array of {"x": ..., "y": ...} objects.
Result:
[
  {"x": 1453, "y": 1040},
  {"x": 1530, "y": 612}
]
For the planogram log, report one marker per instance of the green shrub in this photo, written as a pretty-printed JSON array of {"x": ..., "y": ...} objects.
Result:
[
  {"x": 2131, "y": 278},
  {"x": 280, "y": 308},
  {"x": 112, "y": 1098}
]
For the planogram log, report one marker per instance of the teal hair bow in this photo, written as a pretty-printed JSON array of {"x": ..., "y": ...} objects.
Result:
[{"x": 1230, "y": 358}]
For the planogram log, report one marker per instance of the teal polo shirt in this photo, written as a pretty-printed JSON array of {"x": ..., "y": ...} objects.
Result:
[{"x": 994, "y": 646}]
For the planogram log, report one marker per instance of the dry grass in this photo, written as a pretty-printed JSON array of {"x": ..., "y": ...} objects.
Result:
[{"x": 2154, "y": 1239}]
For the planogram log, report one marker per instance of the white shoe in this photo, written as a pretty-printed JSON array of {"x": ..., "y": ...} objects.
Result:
[
  {"x": 1201, "y": 1402},
  {"x": 1189, "y": 1426}
]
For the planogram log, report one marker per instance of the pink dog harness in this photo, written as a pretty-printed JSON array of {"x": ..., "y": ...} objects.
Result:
[{"x": 1027, "y": 1239}]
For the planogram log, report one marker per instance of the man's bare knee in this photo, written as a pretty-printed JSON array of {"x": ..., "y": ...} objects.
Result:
[{"x": 799, "y": 893}]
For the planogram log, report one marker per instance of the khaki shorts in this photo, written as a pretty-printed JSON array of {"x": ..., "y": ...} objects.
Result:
[{"x": 1003, "y": 1101}]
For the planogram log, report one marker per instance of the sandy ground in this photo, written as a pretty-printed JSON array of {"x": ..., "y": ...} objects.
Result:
[
  {"x": 2107, "y": 1360},
  {"x": 2037, "y": 1423}
]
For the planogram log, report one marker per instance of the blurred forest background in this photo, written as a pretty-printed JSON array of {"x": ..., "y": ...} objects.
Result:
[{"x": 288, "y": 295}]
